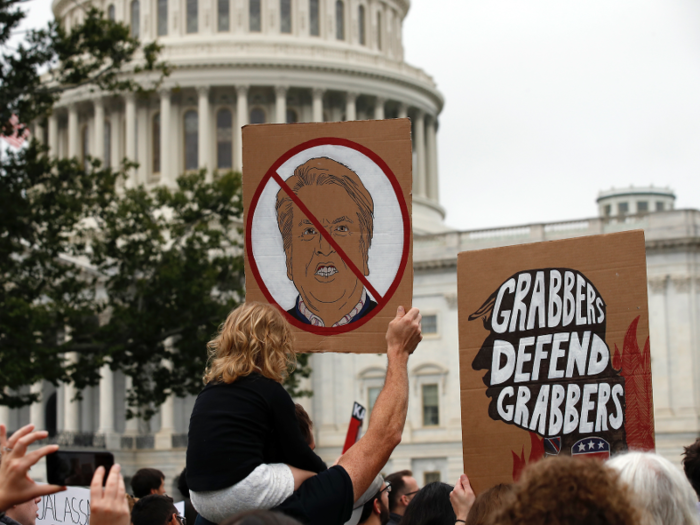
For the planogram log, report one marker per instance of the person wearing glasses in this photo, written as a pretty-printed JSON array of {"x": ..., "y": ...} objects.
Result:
[
  {"x": 156, "y": 509},
  {"x": 376, "y": 510},
  {"x": 404, "y": 487}
]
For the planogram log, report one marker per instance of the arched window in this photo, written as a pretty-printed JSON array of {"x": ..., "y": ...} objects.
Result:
[
  {"x": 361, "y": 24},
  {"x": 254, "y": 16},
  {"x": 192, "y": 12},
  {"x": 224, "y": 136},
  {"x": 339, "y": 20},
  {"x": 379, "y": 30},
  {"x": 111, "y": 12},
  {"x": 135, "y": 14},
  {"x": 191, "y": 140},
  {"x": 162, "y": 17},
  {"x": 108, "y": 145},
  {"x": 155, "y": 143},
  {"x": 314, "y": 18},
  {"x": 285, "y": 16},
  {"x": 223, "y": 18},
  {"x": 257, "y": 116},
  {"x": 292, "y": 116}
]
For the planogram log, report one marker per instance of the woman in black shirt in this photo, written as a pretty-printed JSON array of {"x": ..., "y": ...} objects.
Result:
[{"x": 245, "y": 449}]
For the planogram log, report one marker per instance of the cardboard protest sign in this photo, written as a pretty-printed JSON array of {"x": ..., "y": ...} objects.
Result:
[
  {"x": 554, "y": 353},
  {"x": 328, "y": 228},
  {"x": 70, "y": 507}
]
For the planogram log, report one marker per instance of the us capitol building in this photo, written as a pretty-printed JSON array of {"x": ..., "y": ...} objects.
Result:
[{"x": 253, "y": 61}]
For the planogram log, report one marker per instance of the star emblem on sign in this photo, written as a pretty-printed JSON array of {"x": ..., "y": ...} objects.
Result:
[
  {"x": 593, "y": 446},
  {"x": 582, "y": 447}
]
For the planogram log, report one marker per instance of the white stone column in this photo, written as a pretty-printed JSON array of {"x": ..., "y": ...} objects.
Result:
[
  {"x": 317, "y": 95},
  {"x": 98, "y": 150},
  {"x": 403, "y": 110},
  {"x": 143, "y": 140},
  {"x": 166, "y": 176},
  {"x": 5, "y": 416},
  {"x": 130, "y": 135},
  {"x": 132, "y": 425},
  {"x": 350, "y": 106},
  {"x": 36, "y": 410},
  {"x": 71, "y": 407},
  {"x": 241, "y": 120},
  {"x": 39, "y": 132},
  {"x": 419, "y": 147},
  {"x": 106, "y": 424},
  {"x": 432, "y": 161},
  {"x": 379, "y": 108},
  {"x": 281, "y": 104},
  {"x": 167, "y": 424},
  {"x": 72, "y": 131},
  {"x": 53, "y": 134},
  {"x": 204, "y": 146}
]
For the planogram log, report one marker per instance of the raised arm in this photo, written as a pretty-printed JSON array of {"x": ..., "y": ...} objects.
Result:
[{"x": 366, "y": 458}]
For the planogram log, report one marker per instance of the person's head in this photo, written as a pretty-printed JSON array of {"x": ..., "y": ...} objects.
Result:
[
  {"x": 658, "y": 487},
  {"x": 148, "y": 481},
  {"x": 254, "y": 338},
  {"x": 431, "y": 506},
  {"x": 376, "y": 510},
  {"x": 305, "y": 425},
  {"x": 259, "y": 517},
  {"x": 335, "y": 195},
  {"x": 24, "y": 513},
  {"x": 569, "y": 491},
  {"x": 403, "y": 488},
  {"x": 489, "y": 503},
  {"x": 691, "y": 465},
  {"x": 155, "y": 510}
]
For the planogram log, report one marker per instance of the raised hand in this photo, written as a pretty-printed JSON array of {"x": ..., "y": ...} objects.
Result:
[
  {"x": 404, "y": 332},
  {"x": 108, "y": 506},
  {"x": 462, "y": 497},
  {"x": 15, "y": 484}
]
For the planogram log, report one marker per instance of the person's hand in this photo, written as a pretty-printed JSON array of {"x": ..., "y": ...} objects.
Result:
[
  {"x": 108, "y": 506},
  {"x": 462, "y": 497},
  {"x": 15, "y": 484},
  {"x": 404, "y": 332}
]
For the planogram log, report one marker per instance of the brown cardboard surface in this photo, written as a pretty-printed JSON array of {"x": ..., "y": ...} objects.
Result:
[
  {"x": 374, "y": 160},
  {"x": 611, "y": 266}
]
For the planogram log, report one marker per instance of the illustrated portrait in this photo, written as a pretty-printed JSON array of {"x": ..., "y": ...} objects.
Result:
[{"x": 331, "y": 270}]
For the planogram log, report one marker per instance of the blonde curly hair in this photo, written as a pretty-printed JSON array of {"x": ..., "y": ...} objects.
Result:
[{"x": 254, "y": 338}]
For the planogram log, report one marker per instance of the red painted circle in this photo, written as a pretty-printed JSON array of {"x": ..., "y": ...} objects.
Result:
[{"x": 330, "y": 141}]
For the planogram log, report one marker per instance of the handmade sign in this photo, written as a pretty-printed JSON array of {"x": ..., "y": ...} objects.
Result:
[
  {"x": 549, "y": 356},
  {"x": 70, "y": 507},
  {"x": 328, "y": 228}
]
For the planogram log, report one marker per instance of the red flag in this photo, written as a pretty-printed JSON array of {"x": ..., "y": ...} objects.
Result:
[{"x": 358, "y": 415}]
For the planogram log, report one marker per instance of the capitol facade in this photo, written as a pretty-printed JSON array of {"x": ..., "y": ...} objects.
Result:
[{"x": 252, "y": 61}]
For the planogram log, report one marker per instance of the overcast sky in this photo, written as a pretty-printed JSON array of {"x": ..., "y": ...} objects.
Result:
[{"x": 549, "y": 101}]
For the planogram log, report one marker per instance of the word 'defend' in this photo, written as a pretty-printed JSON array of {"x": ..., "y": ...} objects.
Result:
[
  {"x": 561, "y": 354},
  {"x": 548, "y": 300}
]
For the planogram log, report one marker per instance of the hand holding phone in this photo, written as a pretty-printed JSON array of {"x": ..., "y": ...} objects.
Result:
[{"x": 65, "y": 467}]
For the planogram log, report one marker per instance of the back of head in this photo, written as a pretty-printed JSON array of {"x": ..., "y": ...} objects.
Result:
[
  {"x": 569, "y": 491},
  {"x": 254, "y": 338},
  {"x": 691, "y": 465},
  {"x": 658, "y": 487},
  {"x": 305, "y": 424},
  {"x": 182, "y": 484},
  {"x": 398, "y": 486},
  {"x": 259, "y": 517},
  {"x": 153, "y": 510},
  {"x": 431, "y": 506},
  {"x": 489, "y": 503},
  {"x": 145, "y": 480}
]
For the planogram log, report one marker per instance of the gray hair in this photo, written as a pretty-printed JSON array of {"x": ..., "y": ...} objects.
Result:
[{"x": 659, "y": 488}]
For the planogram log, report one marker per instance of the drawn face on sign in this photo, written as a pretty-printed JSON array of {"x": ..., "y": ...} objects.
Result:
[
  {"x": 549, "y": 369},
  {"x": 328, "y": 286},
  {"x": 328, "y": 235}
]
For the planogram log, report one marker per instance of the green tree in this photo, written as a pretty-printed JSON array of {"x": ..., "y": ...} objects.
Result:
[{"x": 135, "y": 279}]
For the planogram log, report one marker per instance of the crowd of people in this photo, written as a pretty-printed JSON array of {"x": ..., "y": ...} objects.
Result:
[{"x": 251, "y": 460}]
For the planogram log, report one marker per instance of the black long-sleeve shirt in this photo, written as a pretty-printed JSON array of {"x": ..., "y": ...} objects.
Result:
[{"x": 238, "y": 426}]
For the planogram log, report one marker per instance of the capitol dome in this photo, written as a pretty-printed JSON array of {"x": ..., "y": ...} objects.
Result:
[{"x": 239, "y": 62}]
